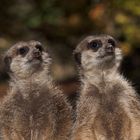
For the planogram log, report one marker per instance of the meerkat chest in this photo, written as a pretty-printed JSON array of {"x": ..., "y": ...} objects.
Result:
[
  {"x": 110, "y": 119},
  {"x": 33, "y": 112}
]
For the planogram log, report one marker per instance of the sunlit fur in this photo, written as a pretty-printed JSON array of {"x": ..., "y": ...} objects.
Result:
[
  {"x": 34, "y": 108},
  {"x": 108, "y": 108}
]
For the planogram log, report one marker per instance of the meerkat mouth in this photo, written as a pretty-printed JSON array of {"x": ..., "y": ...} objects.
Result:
[
  {"x": 35, "y": 61},
  {"x": 107, "y": 55}
]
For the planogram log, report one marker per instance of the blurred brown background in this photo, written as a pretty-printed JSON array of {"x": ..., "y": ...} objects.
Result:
[{"x": 60, "y": 24}]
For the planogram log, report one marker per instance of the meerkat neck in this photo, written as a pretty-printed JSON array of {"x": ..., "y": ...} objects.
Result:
[
  {"x": 32, "y": 84},
  {"x": 99, "y": 76}
]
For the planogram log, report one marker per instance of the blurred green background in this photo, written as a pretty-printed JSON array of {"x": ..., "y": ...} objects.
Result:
[{"x": 60, "y": 24}]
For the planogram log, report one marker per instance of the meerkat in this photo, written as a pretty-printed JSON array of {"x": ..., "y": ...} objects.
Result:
[
  {"x": 34, "y": 108},
  {"x": 108, "y": 107}
]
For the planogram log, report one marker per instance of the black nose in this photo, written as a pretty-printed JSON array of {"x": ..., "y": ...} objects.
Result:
[
  {"x": 109, "y": 49},
  {"x": 36, "y": 53}
]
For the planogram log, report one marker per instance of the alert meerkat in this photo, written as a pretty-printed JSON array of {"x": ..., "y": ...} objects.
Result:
[
  {"x": 33, "y": 109},
  {"x": 109, "y": 107}
]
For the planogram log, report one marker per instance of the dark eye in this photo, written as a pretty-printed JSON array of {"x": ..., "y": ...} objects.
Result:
[
  {"x": 39, "y": 47},
  {"x": 95, "y": 45},
  {"x": 112, "y": 42},
  {"x": 23, "y": 50}
]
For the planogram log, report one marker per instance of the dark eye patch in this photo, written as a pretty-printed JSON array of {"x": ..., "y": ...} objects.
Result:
[
  {"x": 95, "y": 45},
  {"x": 23, "y": 50},
  {"x": 39, "y": 47},
  {"x": 112, "y": 42},
  {"x": 7, "y": 62},
  {"x": 77, "y": 57}
]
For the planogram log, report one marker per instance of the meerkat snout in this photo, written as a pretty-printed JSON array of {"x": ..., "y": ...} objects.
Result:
[
  {"x": 110, "y": 47},
  {"x": 25, "y": 58},
  {"x": 36, "y": 53}
]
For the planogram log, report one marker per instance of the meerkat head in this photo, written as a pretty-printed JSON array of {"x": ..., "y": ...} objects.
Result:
[
  {"x": 26, "y": 58},
  {"x": 99, "y": 52}
]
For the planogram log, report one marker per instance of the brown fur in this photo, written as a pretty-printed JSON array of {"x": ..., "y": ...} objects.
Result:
[
  {"x": 34, "y": 108},
  {"x": 108, "y": 108}
]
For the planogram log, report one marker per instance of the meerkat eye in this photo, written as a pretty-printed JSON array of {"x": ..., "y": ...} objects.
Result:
[
  {"x": 112, "y": 42},
  {"x": 95, "y": 45},
  {"x": 23, "y": 51},
  {"x": 39, "y": 47}
]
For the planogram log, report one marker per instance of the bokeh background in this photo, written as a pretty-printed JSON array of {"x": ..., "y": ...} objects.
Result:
[{"x": 61, "y": 24}]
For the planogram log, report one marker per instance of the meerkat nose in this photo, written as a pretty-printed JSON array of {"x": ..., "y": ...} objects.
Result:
[
  {"x": 109, "y": 49},
  {"x": 36, "y": 53}
]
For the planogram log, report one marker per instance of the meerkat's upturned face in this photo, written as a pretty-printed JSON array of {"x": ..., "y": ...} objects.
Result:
[
  {"x": 25, "y": 58},
  {"x": 97, "y": 51}
]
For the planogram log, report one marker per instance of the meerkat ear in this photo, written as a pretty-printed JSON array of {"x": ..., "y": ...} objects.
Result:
[
  {"x": 77, "y": 56},
  {"x": 7, "y": 61}
]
